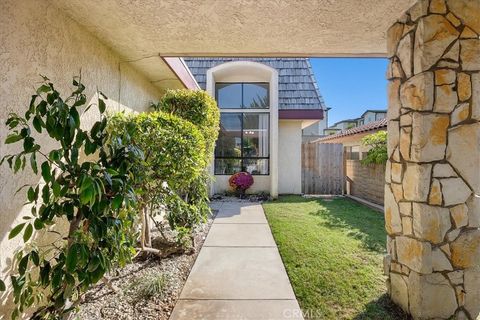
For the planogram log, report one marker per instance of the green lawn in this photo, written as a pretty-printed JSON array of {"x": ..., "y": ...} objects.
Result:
[{"x": 333, "y": 251}]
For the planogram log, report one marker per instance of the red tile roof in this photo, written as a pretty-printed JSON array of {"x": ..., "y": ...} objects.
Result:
[{"x": 372, "y": 126}]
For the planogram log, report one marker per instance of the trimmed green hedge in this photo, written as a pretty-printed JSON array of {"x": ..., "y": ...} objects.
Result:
[{"x": 199, "y": 108}]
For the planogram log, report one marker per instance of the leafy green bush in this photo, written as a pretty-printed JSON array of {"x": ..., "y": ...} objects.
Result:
[
  {"x": 96, "y": 197},
  {"x": 196, "y": 106},
  {"x": 378, "y": 148},
  {"x": 174, "y": 158}
]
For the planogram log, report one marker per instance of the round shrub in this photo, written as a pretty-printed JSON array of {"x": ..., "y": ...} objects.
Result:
[
  {"x": 174, "y": 149},
  {"x": 241, "y": 181},
  {"x": 196, "y": 106}
]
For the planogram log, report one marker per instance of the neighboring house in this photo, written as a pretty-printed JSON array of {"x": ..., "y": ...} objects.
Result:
[
  {"x": 367, "y": 117},
  {"x": 265, "y": 104},
  {"x": 352, "y": 138},
  {"x": 372, "y": 115}
]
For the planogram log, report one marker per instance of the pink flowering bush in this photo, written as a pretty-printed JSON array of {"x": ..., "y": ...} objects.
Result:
[{"x": 241, "y": 181}]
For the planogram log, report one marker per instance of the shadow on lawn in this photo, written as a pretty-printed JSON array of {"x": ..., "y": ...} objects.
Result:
[
  {"x": 382, "y": 308},
  {"x": 358, "y": 221}
]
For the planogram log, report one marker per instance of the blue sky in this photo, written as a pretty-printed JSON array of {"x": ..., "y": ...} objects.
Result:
[{"x": 351, "y": 85}]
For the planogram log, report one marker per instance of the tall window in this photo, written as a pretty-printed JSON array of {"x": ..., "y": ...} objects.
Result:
[{"x": 243, "y": 142}]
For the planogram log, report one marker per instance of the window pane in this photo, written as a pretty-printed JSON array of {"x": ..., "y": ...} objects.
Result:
[
  {"x": 255, "y": 135},
  {"x": 227, "y": 166},
  {"x": 256, "y": 166},
  {"x": 229, "y": 95},
  {"x": 255, "y": 95},
  {"x": 229, "y": 141}
]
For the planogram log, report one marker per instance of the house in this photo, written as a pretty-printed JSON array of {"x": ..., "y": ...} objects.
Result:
[
  {"x": 352, "y": 138},
  {"x": 265, "y": 104},
  {"x": 367, "y": 117},
  {"x": 372, "y": 115}
]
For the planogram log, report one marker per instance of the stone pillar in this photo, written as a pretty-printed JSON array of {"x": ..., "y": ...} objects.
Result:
[{"x": 432, "y": 191}]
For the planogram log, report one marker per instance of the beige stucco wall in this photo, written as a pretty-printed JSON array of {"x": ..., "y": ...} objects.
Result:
[
  {"x": 36, "y": 38},
  {"x": 290, "y": 157}
]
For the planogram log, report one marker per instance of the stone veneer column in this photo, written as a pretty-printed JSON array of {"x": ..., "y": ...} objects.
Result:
[{"x": 432, "y": 204}]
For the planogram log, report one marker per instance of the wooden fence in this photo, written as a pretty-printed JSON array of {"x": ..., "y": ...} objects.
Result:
[{"x": 322, "y": 168}]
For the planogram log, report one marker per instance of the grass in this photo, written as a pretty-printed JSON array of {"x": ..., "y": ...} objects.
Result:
[{"x": 333, "y": 252}]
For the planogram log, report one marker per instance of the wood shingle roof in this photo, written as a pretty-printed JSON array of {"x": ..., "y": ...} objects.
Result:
[{"x": 297, "y": 86}]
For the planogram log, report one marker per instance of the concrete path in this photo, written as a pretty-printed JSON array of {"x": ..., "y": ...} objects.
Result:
[{"x": 238, "y": 273}]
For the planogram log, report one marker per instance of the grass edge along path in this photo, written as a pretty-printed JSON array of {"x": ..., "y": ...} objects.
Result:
[{"x": 332, "y": 251}]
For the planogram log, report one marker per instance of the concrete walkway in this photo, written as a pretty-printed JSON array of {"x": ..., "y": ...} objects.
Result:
[{"x": 238, "y": 273}]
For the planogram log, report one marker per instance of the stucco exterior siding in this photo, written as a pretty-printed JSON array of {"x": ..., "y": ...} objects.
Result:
[
  {"x": 290, "y": 157},
  {"x": 37, "y": 38}
]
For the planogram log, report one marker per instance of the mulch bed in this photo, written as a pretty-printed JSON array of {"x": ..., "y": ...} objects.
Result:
[{"x": 101, "y": 302}]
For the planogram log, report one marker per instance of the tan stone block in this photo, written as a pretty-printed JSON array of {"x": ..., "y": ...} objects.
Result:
[
  {"x": 468, "y": 33},
  {"x": 406, "y": 120},
  {"x": 475, "y": 78},
  {"x": 430, "y": 223},
  {"x": 443, "y": 170},
  {"x": 435, "y": 197},
  {"x": 472, "y": 290},
  {"x": 463, "y": 152},
  {"x": 407, "y": 226},
  {"x": 397, "y": 190},
  {"x": 433, "y": 36},
  {"x": 454, "y": 191},
  {"x": 405, "y": 208},
  {"x": 452, "y": 235},
  {"x": 456, "y": 277},
  {"x": 404, "y": 54},
  {"x": 394, "y": 35},
  {"x": 459, "y": 215},
  {"x": 460, "y": 113},
  {"x": 396, "y": 155},
  {"x": 448, "y": 64},
  {"x": 438, "y": 6},
  {"x": 393, "y": 131},
  {"x": 466, "y": 249},
  {"x": 473, "y": 205},
  {"x": 445, "y": 98},
  {"x": 445, "y": 76},
  {"x": 388, "y": 175},
  {"x": 418, "y": 10},
  {"x": 416, "y": 181},
  {"x": 460, "y": 293},
  {"x": 408, "y": 28},
  {"x": 405, "y": 270},
  {"x": 417, "y": 92},
  {"x": 387, "y": 261},
  {"x": 396, "y": 171},
  {"x": 469, "y": 53},
  {"x": 453, "y": 54},
  {"x": 391, "y": 249},
  {"x": 464, "y": 86},
  {"x": 416, "y": 255},
  {"x": 431, "y": 296},
  {"x": 429, "y": 137},
  {"x": 468, "y": 11},
  {"x": 453, "y": 19},
  {"x": 394, "y": 104},
  {"x": 393, "y": 222},
  {"x": 396, "y": 267},
  {"x": 405, "y": 142},
  {"x": 394, "y": 70},
  {"x": 399, "y": 291},
  {"x": 440, "y": 261},
  {"x": 446, "y": 249}
]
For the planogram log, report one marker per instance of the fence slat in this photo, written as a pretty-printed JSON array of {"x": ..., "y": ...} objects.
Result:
[{"x": 322, "y": 168}]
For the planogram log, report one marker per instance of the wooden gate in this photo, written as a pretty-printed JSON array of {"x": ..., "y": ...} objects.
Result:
[{"x": 322, "y": 168}]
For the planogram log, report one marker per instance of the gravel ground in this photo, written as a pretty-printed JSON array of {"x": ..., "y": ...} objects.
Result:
[{"x": 103, "y": 303}]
